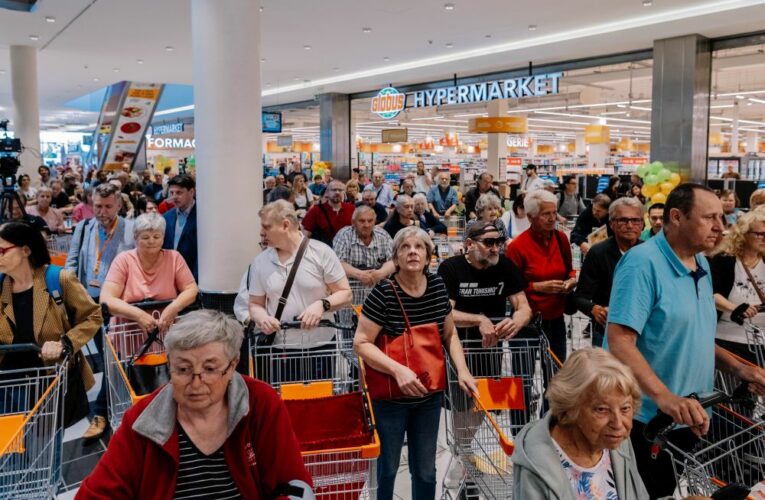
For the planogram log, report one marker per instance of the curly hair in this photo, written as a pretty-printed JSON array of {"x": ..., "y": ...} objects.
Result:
[{"x": 733, "y": 243}]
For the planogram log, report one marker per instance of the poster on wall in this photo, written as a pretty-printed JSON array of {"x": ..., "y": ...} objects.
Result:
[{"x": 132, "y": 121}]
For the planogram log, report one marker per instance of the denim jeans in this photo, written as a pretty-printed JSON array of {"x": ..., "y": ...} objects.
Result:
[
  {"x": 598, "y": 334},
  {"x": 98, "y": 408},
  {"x": 419, "y": 421}
]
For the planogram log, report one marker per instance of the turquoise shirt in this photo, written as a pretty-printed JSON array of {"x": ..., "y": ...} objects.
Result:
[{"x": 673, "y": 312}]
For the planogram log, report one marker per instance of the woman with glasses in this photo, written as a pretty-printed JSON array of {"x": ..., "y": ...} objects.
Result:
[
  {"x": 209, "y": 433},
  {"x": 738, "y": 279}
]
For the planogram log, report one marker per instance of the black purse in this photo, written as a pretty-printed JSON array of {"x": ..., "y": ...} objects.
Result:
[
  {"x": 571, "y": 308},
  {"x": 148, "y": 372}
]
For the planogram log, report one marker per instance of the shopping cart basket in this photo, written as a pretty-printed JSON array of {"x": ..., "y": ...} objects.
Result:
[
  {"x": 123, "y": 340},
  {"x": 59, "y": 243},
  {"x": 31, "y": 428},
  {"x": 511, "y": 377},
  {"x": 348, "y": 316},
  {"x": 578, "y": 331},
  {"x": 330, "y": 410},
  {"x": 755, "y": 338},
  {"x": 455, "y": 227},
  {"x": 743, "y": 402},
  {"x": 732, "y": 452}
]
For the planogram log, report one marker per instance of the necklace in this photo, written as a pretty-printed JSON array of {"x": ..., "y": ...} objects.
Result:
[{"x": 752, "y": 263}]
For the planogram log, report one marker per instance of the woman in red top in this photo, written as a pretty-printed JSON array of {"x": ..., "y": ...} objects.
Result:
[
  {"x": 543, "y": 254},
  {"x": 209, "y": 433}
]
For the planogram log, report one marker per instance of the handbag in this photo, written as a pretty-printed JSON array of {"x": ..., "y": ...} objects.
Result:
[
  {"x": 419, "y": 348},
  {"x": 570, "y": 308},
  {"x": 148, "y": 372}
]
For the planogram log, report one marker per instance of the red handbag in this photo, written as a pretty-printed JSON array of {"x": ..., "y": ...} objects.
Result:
[{"x": 419, "y": 348}]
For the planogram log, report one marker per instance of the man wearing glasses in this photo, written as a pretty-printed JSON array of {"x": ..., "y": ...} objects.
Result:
[
  {"x": 570, "y": 203},
  {"x": 593, "y": 291}
]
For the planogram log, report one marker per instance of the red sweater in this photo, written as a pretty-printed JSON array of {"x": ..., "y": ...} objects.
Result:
[
  {"x": 327, "y": 220},
  {"x": 540, "y": 261},
  {"x": 261, "y": 453}
]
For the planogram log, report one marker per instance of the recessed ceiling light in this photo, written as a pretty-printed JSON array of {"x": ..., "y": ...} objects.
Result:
[
  {"x": 95, "y": 79},
  {"x": 449, "y": 45},
  {"x": 169, "y": 48},
  {"x": 487, "y": 36},
  {"x": 139, "y": 61},
  {"x": 262, "y": 59},
  {"x": 116, "y": 70},
  {"x": 261, "y": 8},
  {"x": 366, "y": 30},
  {"x": 297, "y": 78},
  {"x": 34, "y": 38},
  {"x": 449, "y": 6},
  {"x": 386, "y": 59},
  {"x": 335, "y": 69},
  {"x": 50, "y": 19},
  {"x": 739, "y": 97},
  {"x": 749, "y": 103},
  {"x": 647, "y": 3},
  {"x": 306, "y": 47},
  {"x": 532, "y": 27}
]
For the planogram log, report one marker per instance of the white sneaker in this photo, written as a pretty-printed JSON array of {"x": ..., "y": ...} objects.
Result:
[{"x": 454, "y": 475}]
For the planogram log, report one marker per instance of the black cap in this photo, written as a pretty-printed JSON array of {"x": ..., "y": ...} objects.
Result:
[
  {"x": 530, "y": 165},
  {"x": 479, "y": 228}
]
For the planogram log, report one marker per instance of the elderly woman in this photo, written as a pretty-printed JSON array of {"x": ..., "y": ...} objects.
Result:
[
  {"x": 149, "y": 273},
  {"x": 427, "y": 220},
  {"x": 60, "y": 321},
  {"x": 581, "y": 448},
  {"x": 543, "y": 255},
  {"x": 52, "y": 216},
  {"x": 84, "y": 209},
  {"x": 352, "y": 191},
  {"x": 402, "y": 216},
  {"x": 487, "y": 209},
  {"x": 412, "y": 298},
  {"x": 442, "y": 197},
  {"x": 738, "y": 279},
  {"x": 234, "y": 428}
]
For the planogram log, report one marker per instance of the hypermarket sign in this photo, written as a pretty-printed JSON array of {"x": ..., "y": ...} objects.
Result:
[{"x": 389, "y": 102}]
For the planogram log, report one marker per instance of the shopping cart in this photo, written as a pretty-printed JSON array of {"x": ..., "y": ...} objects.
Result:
[
  {"x": 732, "y": 453},
  {"x": 349, "y": 316},
  {"x": 31, "y": 428},
  {"x": 123, "y": 340},
  {"x": 455, "y": 227},
  {"x": 59, "y": 243},
  {"x": 511, "y": 377},
  {"x": 755, "y": 338},
  {"x": 578, "y": 331},
  {"x": 330, "y": 410},
  {"x": 745, "y": 403}
]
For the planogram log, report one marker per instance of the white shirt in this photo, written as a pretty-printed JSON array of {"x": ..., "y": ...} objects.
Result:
[
  {"x": 422, "y": 183},
  {"x": 319, "y": 267},
  {"x": 534, "y": 184},
  {"x": 384, "y": 195},
  {"x": 514, "y": 225},
  {"x": 742, "y": 293}
]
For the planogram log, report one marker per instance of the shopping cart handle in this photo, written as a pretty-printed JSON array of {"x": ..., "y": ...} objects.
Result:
[
  {"x": 662, "y": 422},
  {"x": 296, "y": 323},
  {"x": 19, "y": 348}
]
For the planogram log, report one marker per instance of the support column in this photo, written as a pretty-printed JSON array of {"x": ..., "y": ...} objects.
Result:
[
  {"x": 26, "y": 106},
  {"x": 581, "y": 145},
  {"x": 598, "y": 154},
  {"x": 226, "y": 55},
  {"x": 335, "y": 133},
  {"x": 752, "y": 140},
  {"x": 496, "y": 163},
  {"x": 734, "y": 130},
  {"x": 682, "y": 73}
]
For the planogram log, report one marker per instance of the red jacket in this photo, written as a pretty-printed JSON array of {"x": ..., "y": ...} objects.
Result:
[{"x": 142, "y": 459}]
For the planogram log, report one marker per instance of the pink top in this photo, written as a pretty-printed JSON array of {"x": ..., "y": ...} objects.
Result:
[
  {"x": 170, "y": 276},
  {"x": 82, "y": 211},
  {"x": 54, "y": 218}
]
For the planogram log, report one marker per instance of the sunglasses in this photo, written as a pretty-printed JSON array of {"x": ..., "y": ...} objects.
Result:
[
  {"x": 490, "y": 242},
  {"x": 4, "y": 250}
]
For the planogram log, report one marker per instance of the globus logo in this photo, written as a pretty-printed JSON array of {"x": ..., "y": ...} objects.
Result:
[{"x": 388, "y": 103}]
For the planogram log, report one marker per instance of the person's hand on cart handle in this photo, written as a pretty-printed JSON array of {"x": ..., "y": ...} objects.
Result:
[
  {"x": 146, "y": 322},
  {"x": 52, "y": 351},
  {"x": 742, "y": 312},
  {"x": 507, "y": 328},
  {"x": 755, "y": 376},
  {"x": 600, "y": 314},
  {"x": 366, "y": 278},
  {"x": 488, "y": 332},
  {"x": 268, "y": 325},
  {"x": 167, "y": 318},
  {"x": 686, "y": 411},
  {"x": 409, "y": 383},
  {"x": 467, "y": 382},
  {"x": 312, "y": 315}
]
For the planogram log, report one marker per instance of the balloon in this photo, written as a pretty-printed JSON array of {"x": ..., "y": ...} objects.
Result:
[
  {"x": 642, "y": 170},
  {"x": 651, "y": 180},
  {"x": 659, "y": 198},
  {"x": 649, "y": 191},
  {"x": 674, "y": 178},
  {"x": 656, "y": 167},
  {"x": 663, "y": 175},
  {"x": 666, "y": 187}
]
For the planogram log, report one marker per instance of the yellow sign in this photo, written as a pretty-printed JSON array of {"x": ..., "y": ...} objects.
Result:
[
  {"x": 144, "y": 93},
  {"x": 499, "y": 125},
  {"x": 715, "y": 139},
  {"x": 597, "y": 134}
]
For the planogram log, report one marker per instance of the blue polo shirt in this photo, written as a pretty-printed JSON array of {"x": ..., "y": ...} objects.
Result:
[{"x": 673, "y": 312}]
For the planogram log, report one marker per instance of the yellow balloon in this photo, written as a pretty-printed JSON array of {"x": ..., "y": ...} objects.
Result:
[
  {"x": 659, "y": 198},
  {"x": 666, "y": 188},
  {"x": 674, "y": 179},
  {"x": 649, "y": 190}
]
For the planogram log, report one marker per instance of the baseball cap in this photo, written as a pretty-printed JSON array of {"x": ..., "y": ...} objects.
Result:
[
  {"x": 479, "y": 228},
  {"x": 530, "y": 165}
]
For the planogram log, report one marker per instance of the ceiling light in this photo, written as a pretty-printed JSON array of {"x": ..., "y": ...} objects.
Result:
[
  {"x": 758, "y": 101},
  {"x": 449, "y": 45},
  {"x": 647, "y": 3},
  {"x": 487, "y": 36},
  {"x": 139, "y": 61},
  {"x": 261, "y": 8},
  {"x": 50, "y": 19},
  {"x": 34, "y": 38},
  {"x": 366, "y": 30},
  {"x": 169, "y": 48},
  {"x": 749, "y": 103},
  {"x": 449, "y": 6},
  {"x": 95, "y": 79},
  {"x": 116, "y": 70},
  {"x": 297, "y": 78},
  {"x": 739, "y": 96},
  {"x": 262, "y": 59},
  {"x": 306, "y": 47},
  {"x": 386, "y": 59},
  {"x": 532, "y": 27}
]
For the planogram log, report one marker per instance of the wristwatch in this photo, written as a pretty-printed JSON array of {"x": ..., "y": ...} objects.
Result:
[{"x": 325, "y": 304}]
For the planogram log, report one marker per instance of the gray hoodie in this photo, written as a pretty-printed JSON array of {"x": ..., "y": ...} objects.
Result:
[{"x": 538, "y": 474}]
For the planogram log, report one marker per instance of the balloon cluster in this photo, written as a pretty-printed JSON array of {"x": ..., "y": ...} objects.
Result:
[
  {"x": 658, "y": 181},
  {"x": 321, "y": 168}
]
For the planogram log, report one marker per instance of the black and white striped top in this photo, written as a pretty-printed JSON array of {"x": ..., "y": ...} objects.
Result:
[
  {"x": 202, "y": 476},
  {"x": 382, "y": 307}
]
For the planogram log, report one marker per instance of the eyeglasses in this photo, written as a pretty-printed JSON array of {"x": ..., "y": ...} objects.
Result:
[
  {"x": 757, "y": 234},
  {"x": 4, "y": 250},
  {"x": 623, "y": 221},
  {"x": 490, "y": 242},
  {"x": 186, "y": 374}
]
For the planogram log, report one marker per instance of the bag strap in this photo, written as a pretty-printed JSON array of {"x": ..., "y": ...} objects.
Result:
[
  {"x": 152, "y": 337},
  {"x": 754, "y": 283},
  {"x": 290, "y": 279},
  {"x": 562, "y": 256},
  {"x": 401, "y": 304}
]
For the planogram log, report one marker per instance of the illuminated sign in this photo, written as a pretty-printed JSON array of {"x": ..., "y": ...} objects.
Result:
[
  {"x": 388, "y": 103},
  {"x": 170, "y": 143},
  {"x": 518, "y": 141},
  {"x": 171, "y": 128}
]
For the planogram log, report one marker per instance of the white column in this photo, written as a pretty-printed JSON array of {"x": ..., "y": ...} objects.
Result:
[
  {"x": 26, "y": 106},
  {"x": 734, "y": 131},
  {"x": 598, "y": 155},
  {"x": 752, "y": 140},
  {"x": 495, "y": 164},
  {"x": 226, "y": 74},
  {"x": 581, "y": 145}
]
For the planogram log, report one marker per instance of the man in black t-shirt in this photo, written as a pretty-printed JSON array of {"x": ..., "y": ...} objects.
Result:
[{"x": 480, "y": 283}]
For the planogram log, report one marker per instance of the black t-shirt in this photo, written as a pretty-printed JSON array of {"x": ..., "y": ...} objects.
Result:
[
  {"x": 60, "y": 201},
  {"x": 23, "y": 332},
  {"x": 480, "y": 291}
]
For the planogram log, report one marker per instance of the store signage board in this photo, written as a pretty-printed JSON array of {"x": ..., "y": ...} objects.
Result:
[
  {"x": 394, "y": 135},
  {"x": 514, "y": 162},
  {"x": 164, "y": 129},
  {"x": 388, "y": 103},
  {"x": 170, "y": 143},
  {"x": 518, "y": 141},
  {"x": 284, "y": 141},
  {"x": 634, "y": 161}
]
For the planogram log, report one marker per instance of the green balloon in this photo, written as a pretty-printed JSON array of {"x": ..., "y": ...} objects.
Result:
[
  {"x": 651, "y": 180},
  {"x": 655, "y": 167},
  {"x": 663, "y": 175},
  {"x": 642, "y": 171}
]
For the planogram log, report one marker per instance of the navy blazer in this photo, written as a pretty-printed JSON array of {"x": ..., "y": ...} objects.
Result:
[{"x": 187, "y": 245}]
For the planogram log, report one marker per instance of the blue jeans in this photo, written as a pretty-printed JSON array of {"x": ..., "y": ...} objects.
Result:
[
  {"x": 98, "y": 408},
  {"x": 419, "y": 421},
  {"x": 598, "y": 334}
]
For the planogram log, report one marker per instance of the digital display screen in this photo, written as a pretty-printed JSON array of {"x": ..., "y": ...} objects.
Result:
[{"x": 272, "y": 123}]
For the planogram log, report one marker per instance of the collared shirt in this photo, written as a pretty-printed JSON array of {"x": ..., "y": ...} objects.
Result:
[
  {"x": 351, "y": 250},
  {"x": 180, "y": 223},
  {"x": 673, "y": 312},
  {"x": 442, "y": 200},
  {"x": 90, "y": 266},
  {"x": 384, "y": 194}
]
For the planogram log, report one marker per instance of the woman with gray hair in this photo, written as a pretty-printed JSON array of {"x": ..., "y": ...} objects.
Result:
[
  {"x": 416, "y": 303},
  {"x": 581, "y": 448},
  {"x": 488, "y": 208},
  {"x": 402, "y": 216},
  {"x": 149, "y": 272},
  {"x": 210, "y": 422}
]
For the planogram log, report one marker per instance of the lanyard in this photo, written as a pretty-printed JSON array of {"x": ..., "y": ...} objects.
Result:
[{"x": 99, "y": 249}]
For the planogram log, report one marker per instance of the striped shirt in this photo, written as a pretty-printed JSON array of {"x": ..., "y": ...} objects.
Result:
[
  {"x": 382, "y": 307},
  {"x": 202, "y": 476}
]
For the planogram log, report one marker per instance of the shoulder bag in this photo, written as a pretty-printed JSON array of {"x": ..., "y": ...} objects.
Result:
[
  {"x": 419, "y": 348},
  {"x": 570, "y": 304},
  {"x": 148, "y": 372},
  {"x": 754, "y": 283}
]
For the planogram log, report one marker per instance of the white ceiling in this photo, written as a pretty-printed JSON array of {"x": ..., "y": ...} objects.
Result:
[{"x": 104, "y": 39}]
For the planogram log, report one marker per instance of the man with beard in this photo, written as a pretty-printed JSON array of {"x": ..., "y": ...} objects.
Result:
[{"x": 323, "y": 220}]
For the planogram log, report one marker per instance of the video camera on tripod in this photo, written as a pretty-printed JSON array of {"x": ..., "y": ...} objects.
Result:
[{"x": 9, "y": 160}]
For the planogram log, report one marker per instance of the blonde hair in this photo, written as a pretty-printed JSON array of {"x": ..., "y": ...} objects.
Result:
[
  {"x": 587, "y": 370},
  {"x": 757, "y": 199},
  {"x": 733, "y": 243}
]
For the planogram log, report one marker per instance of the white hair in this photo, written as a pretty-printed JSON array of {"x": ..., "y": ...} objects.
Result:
[
  {"x": 533, "y": 201},
  {"x": 199, "y": 328},
  {"x": 624, "y": 202},
  {"x": 148, "y": 222}
]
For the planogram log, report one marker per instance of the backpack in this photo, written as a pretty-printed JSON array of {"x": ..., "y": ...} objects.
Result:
[
  {"x": 53, "y": 284},
  {"x": 562, "y": 196}
]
